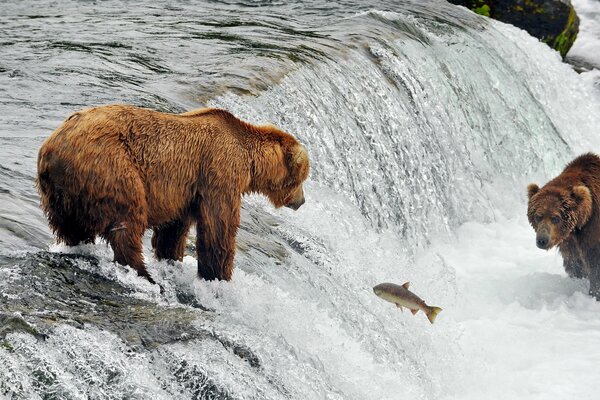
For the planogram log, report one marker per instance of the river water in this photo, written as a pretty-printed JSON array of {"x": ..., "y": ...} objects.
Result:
[{"x": 424, "y": 124}]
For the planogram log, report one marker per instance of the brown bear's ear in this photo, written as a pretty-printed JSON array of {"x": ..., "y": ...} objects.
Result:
[
  {"x": 532, "y": 189},
  {"x": 582, "y": 193},
  {"x": 299, "y": 163},
  {"x": 583, "y": 196}
]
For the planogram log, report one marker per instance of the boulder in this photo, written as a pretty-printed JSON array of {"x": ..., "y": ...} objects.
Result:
[{"x": 554, "y": 22}]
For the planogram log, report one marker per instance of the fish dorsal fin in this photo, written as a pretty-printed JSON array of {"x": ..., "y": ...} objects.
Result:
[{"x": 405, "y": 286}]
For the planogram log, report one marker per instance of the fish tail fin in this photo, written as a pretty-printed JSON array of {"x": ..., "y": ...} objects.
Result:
[{"x": 432, "y": 313}]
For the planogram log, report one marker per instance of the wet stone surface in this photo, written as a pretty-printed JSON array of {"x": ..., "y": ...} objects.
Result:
[
  {"x": 51, "y": 289},
  {"x": 47, "y": 289},
  {"x": 43, "y": 291}
]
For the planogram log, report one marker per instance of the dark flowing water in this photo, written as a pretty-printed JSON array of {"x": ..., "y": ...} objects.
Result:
[{"x": 421, "y": 119}]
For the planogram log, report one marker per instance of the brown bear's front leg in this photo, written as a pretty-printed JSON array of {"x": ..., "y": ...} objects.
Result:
[
  {"x": 595, "y": 282},
  {"x": 572, "y": 262},
  {"x": 169, "y": 239},
  {"x": 574, "y": 268},
  {"x": 215, "y": 237},
  {"x": 593, "y": 269}
]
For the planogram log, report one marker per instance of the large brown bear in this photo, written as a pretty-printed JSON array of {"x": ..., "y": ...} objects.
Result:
[
  {"x": 117, "y": 170},
  {"x": 566, "y": 213}
]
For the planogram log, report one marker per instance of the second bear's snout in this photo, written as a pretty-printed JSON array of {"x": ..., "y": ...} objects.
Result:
[{"x": 542, "y": 241}]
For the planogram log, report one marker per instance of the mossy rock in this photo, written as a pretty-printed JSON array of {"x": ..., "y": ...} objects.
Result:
[{"x": 554, "y": 22}]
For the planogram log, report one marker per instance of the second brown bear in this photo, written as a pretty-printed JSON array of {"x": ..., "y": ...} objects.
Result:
[{"x": 565, "y": 213}]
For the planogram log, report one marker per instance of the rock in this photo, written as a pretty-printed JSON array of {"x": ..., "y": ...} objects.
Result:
[
  {"x": 42, "y": 291},
  {"x": 15, "y": 323},
  {"x": 554, "y": 22},
  {"x": 52, "y": 288}
]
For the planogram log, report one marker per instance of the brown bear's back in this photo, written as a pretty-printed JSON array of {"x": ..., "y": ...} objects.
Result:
[{"x": 171, "y": 154}]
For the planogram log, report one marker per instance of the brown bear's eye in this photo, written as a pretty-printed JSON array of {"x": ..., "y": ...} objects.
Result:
[
  {"x": 537, "y": 218},
  {"x": 555, "y": 220}
]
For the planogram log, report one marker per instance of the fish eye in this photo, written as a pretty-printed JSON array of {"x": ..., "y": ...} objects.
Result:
[{"x": 555, "y": 220}]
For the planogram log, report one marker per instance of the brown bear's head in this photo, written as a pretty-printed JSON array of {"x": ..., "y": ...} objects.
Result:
[
  {"x": 283, "y": 186},
  {"x": 292, "y": 191},
  {"x": 555, "y": 212}
]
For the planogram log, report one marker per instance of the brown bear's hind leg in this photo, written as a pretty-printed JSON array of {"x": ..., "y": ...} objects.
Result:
[
  {"x": 72, "y": 237},
  {"x": 71, "y": 233},
  {"x": 126, "y": 242},
  {"x": 66, "y": 226},
  {"x": 169, "y": 240}
]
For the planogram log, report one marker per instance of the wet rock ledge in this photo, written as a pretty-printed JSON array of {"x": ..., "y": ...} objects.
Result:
[
  {"x": 43, "y": 291},
  {"x": 52, "y": 288},
  {"x": 554, "y": 22}
]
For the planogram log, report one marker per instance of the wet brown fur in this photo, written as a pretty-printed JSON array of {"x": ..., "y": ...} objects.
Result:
[
  {"x": 572, "y": 198},
  {"x": 117, "y": 170}
]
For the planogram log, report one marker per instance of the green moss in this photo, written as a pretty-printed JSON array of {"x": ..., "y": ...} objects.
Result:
[
  {"x": 6, "y": 345},
  {"x": 566, "y": 38},
  {"x": 535, "y": 16},
  {"x": 534, "y": 6},
  {"x": 483, "y": 10}
]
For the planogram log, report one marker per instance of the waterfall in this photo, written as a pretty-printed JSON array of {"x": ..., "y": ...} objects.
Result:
[
  {"x": 423, "y": 129},
  {"x": 414, "y": 128}
]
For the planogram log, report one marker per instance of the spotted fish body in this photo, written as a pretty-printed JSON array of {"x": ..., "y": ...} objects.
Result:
[{"x": 402, "y": 297}]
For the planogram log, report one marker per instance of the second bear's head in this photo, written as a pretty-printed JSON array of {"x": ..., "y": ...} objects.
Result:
[{"x": 555, "y": 212}]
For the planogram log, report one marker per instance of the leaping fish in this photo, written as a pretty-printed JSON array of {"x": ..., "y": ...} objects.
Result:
[{"x": 402, "y": 297}]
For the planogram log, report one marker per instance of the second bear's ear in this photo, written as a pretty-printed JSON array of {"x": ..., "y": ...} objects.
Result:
[
  {"x": 584, "y": 204},
  {"x": 582, "y": 193},
  {"x": 532, "y": 189}
]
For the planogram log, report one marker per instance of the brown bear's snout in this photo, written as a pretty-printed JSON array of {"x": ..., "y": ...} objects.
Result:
[
  {"x": 296, "y": 204},
  {"x": 298, "y": 199},
  {"x": 542, "y": 241}
]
